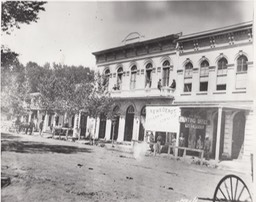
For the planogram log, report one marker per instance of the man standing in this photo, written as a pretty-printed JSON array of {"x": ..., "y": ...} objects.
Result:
[
  {"x": 158, "y": 144},
  {"x": 159, "y": 85},
  {"x": 41, "y": 124},
  {"x": 207, "y": 147}
]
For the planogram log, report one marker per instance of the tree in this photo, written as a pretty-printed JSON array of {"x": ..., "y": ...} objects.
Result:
[
  {"x": 100, "y": 101},
  {"x": 15, "y": 13}
]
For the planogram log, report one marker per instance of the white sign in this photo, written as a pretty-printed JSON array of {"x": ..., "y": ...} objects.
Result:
[{"x": 162, "y": 119}]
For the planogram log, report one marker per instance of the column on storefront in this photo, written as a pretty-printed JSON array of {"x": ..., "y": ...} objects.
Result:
[
  {"x": 96, "y": 135},
  {"x": 46, "y": 119},
  {"x": 30, "y": 116},
  {"x": 228, "y": 134},
  {"x": 76, "y": 127},
  {"x": 249, "y": 134},
  {"x": 121, "y": 129},
  {"x": 177, "y": 135},
  {"x": 218, "y": 133},
  {"x": 108, "y": 129}
]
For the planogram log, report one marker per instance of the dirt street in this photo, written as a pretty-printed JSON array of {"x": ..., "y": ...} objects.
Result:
[{"x": 44, "y": 169}]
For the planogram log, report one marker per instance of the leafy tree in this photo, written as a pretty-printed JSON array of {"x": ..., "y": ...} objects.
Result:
[
  {"x": 15, "y": 13},
  {"x": 100, "y": 102}
]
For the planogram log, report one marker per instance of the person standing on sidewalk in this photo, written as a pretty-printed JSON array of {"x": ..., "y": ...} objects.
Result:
[
  {"x": 41, "y": 124},
  {"x": 158, "y": 144}
]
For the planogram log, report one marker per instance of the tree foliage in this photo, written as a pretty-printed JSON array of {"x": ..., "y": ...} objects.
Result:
[{"x": 15, "y": 13}]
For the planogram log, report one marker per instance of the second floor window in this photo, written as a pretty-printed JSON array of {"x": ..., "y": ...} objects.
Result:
[
  {"x": 106, "y": 78},
  {"x": 188, "y": 70},
  {"x": 133, "y": 77},
  {"x": 204, "y": 70},
  {"x": 222, "y": 66},
  {"x": 149, "y": 68},
  {"x": 166, "y": 73},
  {"x": 119, "y": 78},
  {"x": 242, "y": 64}
]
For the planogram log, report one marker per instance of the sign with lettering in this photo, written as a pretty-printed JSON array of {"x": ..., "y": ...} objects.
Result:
[
  {"x": 162, "y": 119},
  {"x": 193, "y": 122}
]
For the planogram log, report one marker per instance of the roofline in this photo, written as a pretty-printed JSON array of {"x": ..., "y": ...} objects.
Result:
[
  {"x": 171, "y": 36},
  {"x": 212, "y": 31}
]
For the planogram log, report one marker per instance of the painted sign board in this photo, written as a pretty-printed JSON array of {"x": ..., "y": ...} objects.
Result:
[{"x": 162, "y": 118}]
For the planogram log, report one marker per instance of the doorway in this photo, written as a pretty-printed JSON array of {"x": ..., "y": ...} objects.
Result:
[
  {"x": 129, "y": 123},
  {"x": 83, "y": 125},
  {"x": 102, "y": 128},
  {"x": 238, "y": 134}
]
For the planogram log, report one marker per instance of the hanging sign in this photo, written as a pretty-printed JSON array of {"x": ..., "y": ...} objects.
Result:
[{"x": 162, "y": 119}]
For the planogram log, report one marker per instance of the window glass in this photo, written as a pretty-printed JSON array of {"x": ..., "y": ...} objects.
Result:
[
  {"x": 222, "y": 66},
  {"x": 242, "y": 64},
  {"x": 133, "y": 77},
  {"x": 203, "y": 86},
  {"x": 166, "y": 73},
  {"x": 188, "y": 70},
  {"x": 204, "y": 70},
  {"x": 187, "y": 87}
]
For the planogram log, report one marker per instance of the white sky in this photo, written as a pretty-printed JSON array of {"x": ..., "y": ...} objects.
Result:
[{"x": 68, "y": 32}]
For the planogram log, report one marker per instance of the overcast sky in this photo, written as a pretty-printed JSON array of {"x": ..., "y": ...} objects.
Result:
[{"x": 68, "y": 32}]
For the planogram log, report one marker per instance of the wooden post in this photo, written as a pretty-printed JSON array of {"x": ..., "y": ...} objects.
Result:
[
  {"x": 184, "y": 153},
  {"x": 202, "y": 156},
  {"x": 169, "y": 149}
]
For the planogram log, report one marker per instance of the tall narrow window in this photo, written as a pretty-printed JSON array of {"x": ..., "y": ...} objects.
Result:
[
  {"x": 241, "y": 74},
  {"x": 222, "y": 74},
  {"x": 204, "y": 70},
  {"x": 166, "y": 73},
  {"x": 222, "y": 66},
  {"x": 106, "y": 78},
  {"x": 242, "y": 64},
  {"x": 149, "y": 68},
  {"x": 119, "y": 78},
  {"x": 133, "y": 77},
  {"x": 188, "y": 70}
]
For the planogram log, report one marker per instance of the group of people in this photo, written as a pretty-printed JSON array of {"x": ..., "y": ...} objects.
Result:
[
  {"x": 206, "y": 145},
  {"x": 172, "y": 86},
  {"x": 28, "y": 127}
]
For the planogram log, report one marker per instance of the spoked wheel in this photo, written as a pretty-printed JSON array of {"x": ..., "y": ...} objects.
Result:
[{"x": 232, "y": 189}]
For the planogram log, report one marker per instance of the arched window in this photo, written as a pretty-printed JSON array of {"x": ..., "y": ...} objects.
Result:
[
  {"x": 188, "y": 70},
  {"x": 166, "y": 73},
  {"x": 119, "y": 78},
  {"x": 106, "y": 78},
  {"x": 221, "y": 74},
  {"x": 130, "y": 110},
  {"x": 222, "y": 66},
  {"x": 133, "y": 77},
  {"x": 149, "y": 68},
  {"x": 204, "y": 70},
  {"x": 242, "y": 64}
]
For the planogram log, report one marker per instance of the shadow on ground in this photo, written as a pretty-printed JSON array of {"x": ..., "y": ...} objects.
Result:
[
  {"x": 8, "y": 136},
  {"x": 9, "y": 143}
]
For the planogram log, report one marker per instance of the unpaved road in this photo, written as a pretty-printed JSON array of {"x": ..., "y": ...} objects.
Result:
[{"x": 52, "y": 170}]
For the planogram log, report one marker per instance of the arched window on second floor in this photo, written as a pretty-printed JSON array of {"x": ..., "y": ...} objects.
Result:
[
  {"x": 149, "y": 69},
  {"x": 188, "y": 70},
  {"x": 166, "y": 73},
  {"x": 106, "y": 78},
  {"x": 242, "y": 64},
  {"x": 133, "y": 77},
  {"x": 222, "y": 66},
  {"x": 204, "y": 68},
  {"x": 119, "y": 78}
]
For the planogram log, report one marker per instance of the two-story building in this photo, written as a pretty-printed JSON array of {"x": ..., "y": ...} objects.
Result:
[{"x": 206, "y": 75}]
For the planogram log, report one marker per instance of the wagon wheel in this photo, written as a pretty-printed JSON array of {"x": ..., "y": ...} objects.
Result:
[{"x": 233, "y": 189}]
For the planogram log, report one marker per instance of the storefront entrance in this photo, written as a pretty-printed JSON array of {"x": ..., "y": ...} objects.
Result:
[
  {"x": 115, "y": 130},
  {"x": 102, "y": 128},
  {"x": 238, "y": 134},
  {"x": 83, "y": 125},
  {"x": 129, "y": 123}
]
